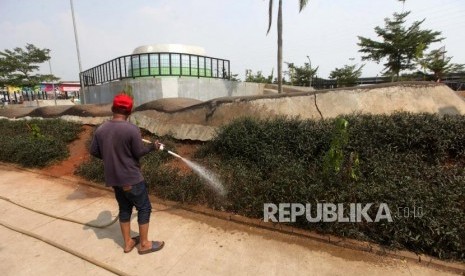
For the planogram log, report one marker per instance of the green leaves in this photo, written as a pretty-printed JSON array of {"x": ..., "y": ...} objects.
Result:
[
  {"x": 36, "y": 143},
  {"x": 403, "y": 160},
  {"x": 301, "y": 75},
  {"x": 401, "y": 46},
  {"x": 334, "y": 158},
  {"x": 18, "y": 66},
  {"x": 346, "y": 76},
  {"x": 437, "y": 62},
  {"x": 408, "y": 161},
  {"x": 258, "y": 77},
  {"x": 35, "y": 129}
]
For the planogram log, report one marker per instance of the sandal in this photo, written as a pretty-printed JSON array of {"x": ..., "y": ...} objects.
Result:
[
  {"x": 156, "y": 245},
  {"x": 136, "y": 242}
]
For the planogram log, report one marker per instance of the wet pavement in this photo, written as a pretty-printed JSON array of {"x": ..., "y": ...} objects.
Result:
[{"x": 196, "y": 244}]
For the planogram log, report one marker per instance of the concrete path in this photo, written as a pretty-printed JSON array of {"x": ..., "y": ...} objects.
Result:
[{"x": 195, "y": 244}]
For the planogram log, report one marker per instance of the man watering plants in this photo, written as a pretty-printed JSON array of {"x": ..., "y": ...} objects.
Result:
[{"x": 119, "y": 144}]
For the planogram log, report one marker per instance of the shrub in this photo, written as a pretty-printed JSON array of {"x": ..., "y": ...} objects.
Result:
[
  {"x": 36, "y": 143},
  {"x": 403, "y": 160},
  {"x": 92, "y": 170}
]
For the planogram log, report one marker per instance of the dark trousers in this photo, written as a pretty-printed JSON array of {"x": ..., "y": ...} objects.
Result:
[{"x": 133, "y": 196}]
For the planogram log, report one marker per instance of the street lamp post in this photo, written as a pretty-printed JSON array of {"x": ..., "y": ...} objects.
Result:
[
  {"x": 53, "y": 83},
  {"x": 310, "y": 77},
  {"x": 77, "y": 50}
]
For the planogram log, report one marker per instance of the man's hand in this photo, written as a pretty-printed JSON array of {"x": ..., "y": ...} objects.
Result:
[{"x": 158, "y": 145}]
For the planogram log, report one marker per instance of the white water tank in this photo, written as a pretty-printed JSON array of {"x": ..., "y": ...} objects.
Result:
[{"x": 170, "y": 48}]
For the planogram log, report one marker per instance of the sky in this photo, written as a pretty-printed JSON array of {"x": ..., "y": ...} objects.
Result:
[{"x": 325, "y": 32}]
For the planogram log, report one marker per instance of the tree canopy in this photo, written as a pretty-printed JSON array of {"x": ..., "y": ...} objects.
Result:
[
  {"x": 401, "y": 46},
  {"x": 258, "y": 77},
  {"x": 301, "y": 75},
  {"x": 346, "y": 76},
  {"x": 439, "y": 64},
  {"x": 19, "y": 66}
]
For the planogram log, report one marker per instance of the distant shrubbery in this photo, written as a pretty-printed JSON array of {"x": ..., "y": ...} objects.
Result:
[
  {"x": 403, "y": 160},
  {"x": 36, "y": 143}
]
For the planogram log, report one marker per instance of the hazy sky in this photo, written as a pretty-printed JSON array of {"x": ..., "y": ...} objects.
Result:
[{"x": 326, "y": 30}]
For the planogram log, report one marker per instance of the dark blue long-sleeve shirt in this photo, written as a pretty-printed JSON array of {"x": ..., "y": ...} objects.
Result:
[{"x": 119, "y": 144}]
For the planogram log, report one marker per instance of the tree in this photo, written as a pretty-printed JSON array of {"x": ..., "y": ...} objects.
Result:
[
  {"x": 346, "y": 76},
  {"x": 18, "y": 66},
  {"x": 258, "y": 77},
  {"x": 437, "y": 62},
  {"x": 302, "y": 4},
  {"x": 401, "y": 45},
  {"x": 301, "y": 76},
  {"x": 234, "y": 77}
]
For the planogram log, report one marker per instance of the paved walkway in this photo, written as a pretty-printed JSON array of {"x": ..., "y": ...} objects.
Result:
[{"x": 195, "y": 244}]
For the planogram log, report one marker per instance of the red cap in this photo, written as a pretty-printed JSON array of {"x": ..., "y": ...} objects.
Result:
[{"x": 123, "y": 101}]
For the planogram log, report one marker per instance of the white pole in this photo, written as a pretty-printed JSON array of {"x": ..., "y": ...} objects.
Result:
[
  {"x": 310, "y": 79},
  {"x": 53, "y": 83},
  {"x": 77, "y": 50}
]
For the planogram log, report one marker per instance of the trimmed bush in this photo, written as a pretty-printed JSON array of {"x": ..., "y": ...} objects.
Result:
[
  {"x": 36, "y": 143},
  {"x": 92, "y": 170},
  {"x": 404, "y": 160}
]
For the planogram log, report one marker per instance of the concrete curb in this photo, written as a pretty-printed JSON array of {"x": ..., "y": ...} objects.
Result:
[
  {"x": 426, "y": 260},
  {"x": 364, "y": 246}
]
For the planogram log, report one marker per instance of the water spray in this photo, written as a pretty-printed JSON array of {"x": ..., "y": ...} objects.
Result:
[{"x": 211, "y": 179}]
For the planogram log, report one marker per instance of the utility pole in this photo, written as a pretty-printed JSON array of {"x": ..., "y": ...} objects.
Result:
[
  {"x": 53, "y": 82},
  {"x": 311, "y": 76},
  {"x": 77, "y": 50}
]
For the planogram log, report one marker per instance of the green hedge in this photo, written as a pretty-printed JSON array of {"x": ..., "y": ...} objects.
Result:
[
  {"x": 404, "y": 160},
  {"x": 36, "y": 143}
]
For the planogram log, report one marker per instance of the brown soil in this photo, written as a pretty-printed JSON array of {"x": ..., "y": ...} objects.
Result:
[{"x": 79, "y": 153}]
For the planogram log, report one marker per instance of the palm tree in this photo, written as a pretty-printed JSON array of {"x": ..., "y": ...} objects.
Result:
[{"x": 302, "y": 4}]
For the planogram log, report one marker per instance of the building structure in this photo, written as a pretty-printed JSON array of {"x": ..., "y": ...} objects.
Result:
[{"x": 159, "y": 71}]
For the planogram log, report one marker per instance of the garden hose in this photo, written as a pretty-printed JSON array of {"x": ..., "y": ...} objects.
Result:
[
  {"x": 62, "y": 247},
  {"x": 66, "y": 249},
  {"x": 61, "y": 218},
  {"x": 59, "y": 246}
]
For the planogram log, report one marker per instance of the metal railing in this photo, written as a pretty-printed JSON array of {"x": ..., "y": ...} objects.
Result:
[
  {"x": 156, "y": 65},
  {"x": 456, "y": 81}
]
